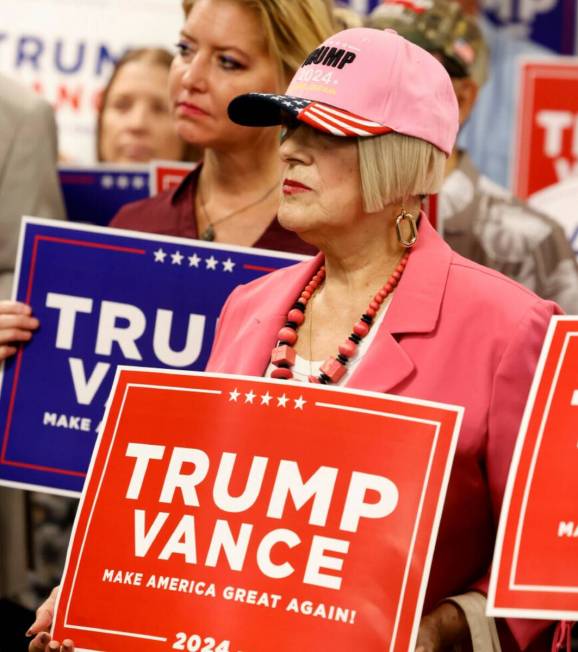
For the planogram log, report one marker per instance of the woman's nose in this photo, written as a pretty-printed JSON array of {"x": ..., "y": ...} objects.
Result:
[
  {"x": 291, "y": 147},
  {"x": 195, "y": 74},
  {"x": 138, "y": 116}
]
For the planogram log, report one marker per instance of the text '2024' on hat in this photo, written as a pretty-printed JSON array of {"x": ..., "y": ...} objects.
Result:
[{"x": 363, "y": 82}]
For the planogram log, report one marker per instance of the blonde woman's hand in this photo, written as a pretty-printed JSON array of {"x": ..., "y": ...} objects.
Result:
[
  {"x": 41, "y": 626},
  {"x": 16, "y": 326}
]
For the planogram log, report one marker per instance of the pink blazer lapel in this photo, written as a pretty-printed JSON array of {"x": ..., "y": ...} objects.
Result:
[{"x": 415, "y": 308}]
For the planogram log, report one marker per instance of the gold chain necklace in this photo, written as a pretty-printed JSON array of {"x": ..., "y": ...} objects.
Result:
[{"x": 209, "y": 233}]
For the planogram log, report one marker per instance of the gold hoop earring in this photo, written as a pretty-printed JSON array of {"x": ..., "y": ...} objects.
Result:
[{"x": 402, "y": 217}]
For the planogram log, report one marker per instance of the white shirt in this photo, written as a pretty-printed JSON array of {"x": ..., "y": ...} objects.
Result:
[{"x": 304, "y": 368}]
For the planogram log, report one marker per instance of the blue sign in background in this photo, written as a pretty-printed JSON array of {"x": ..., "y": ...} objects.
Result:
[
  {"x": 553, "y": 27},
  {"x": 98, "y": 281},
  {"x": 95, "y": 194}
]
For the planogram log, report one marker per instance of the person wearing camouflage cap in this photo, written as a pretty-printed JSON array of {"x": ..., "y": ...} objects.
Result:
[{"x": 480, "y": 219}]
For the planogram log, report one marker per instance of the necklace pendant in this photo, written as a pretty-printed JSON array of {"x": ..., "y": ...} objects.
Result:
[{"x": 208, "y": 234}]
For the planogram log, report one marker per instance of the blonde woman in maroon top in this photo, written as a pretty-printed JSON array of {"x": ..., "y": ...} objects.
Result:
[{"x": 228, "y": 47}]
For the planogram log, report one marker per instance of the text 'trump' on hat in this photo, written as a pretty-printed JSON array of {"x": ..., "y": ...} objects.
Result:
[{"x": 363, "y": 82}]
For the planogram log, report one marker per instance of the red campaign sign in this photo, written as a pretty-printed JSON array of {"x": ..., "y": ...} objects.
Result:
[
  {"x": 546, "y": 150},
  {"x": 535, "y": 568},
  {"x": 240, "y": 514},
  {"x": 166, "y": 175}
]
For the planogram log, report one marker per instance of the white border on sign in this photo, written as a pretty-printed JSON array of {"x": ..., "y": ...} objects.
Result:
[
  {"x": 459, "y": 410},
  {"x": 131, "y": 168},
  {"x": 491, "y": 609},
  {"x": 545, "y": 68},
  {"x": 140, "y": 235},
  {"x": 512, "y": 583}
]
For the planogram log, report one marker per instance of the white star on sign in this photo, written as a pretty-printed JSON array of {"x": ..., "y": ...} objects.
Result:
[
  {"x": 228, "y": 265},
  {"x": 107, "y": 181},
  {"x": 299, "y": 403},
  {"x": 122, "y": 181},
  {"x": 194, "y": 260},
  {"x": 211, "y": 263},
  {"x": 249, "y": 397},
  {"x": 177, "y": 257},
  {"x": 138, "y": 182},
  {"x": 282, "y": 401},
  {"x": 234, "y": 395},
  {"x": 160, "y": 255},
  {"x": 265, "y": 398}
]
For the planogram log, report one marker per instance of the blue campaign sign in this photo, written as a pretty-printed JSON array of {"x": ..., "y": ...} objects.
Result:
[
  {"x": 94, "y": 194},
  {"x": 550, "y": 23},
  {"x": 104, "y": 297}
]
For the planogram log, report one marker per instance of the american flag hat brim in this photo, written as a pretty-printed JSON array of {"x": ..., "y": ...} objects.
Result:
[{"x": 267, "y": 110}]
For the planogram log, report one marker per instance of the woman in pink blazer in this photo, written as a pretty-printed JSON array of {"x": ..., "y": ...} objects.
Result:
[{"x": 369, "y": 121}]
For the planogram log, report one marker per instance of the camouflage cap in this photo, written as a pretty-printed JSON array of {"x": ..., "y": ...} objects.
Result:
[{"x": 440, "y": 27}]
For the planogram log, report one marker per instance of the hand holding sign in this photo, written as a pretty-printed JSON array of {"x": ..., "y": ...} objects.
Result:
[
  {"x": 16, "y": 326},
  {"x": 41, "y": 626}
]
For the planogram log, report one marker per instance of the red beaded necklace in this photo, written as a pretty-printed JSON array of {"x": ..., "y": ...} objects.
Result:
[{"x": 334, "y": 368}]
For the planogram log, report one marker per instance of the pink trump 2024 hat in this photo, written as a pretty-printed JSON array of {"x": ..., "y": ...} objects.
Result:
[{"x": 363, "y": 82}]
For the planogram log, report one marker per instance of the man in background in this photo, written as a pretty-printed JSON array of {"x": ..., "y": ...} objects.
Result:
[
  {"x": 28, "y": 177},
  {"x": 28, "y": 186},
  {"x": 479, "y": 219}
]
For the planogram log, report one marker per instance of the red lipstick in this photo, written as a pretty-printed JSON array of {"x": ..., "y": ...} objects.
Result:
[
  {"x": 190, "y": 110},
  {"x": 292, "y": 187}
]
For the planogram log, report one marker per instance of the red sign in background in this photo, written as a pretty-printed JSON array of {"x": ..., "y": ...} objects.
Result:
[
  {"x": 535, "y": 569},
  {"x": 546, "y": 149},
  {"x": 328, "y": 502},
  {"x": 166, "y": 175}
]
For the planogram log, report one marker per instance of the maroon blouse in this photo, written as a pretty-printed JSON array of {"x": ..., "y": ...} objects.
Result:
[{"x": 172, "y": 212}]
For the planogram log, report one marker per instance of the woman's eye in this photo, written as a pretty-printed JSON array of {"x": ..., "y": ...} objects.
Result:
[
  {"x": 121, "y": 104},
  {"x": 287, "y": 128},
  {"x": 184, "y": 49},
  {"x": 159, "y": 108},
  {"x": 228, "y": 63}
]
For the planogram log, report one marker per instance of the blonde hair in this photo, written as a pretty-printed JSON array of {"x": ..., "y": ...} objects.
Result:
[
  {"x": 292, "y": 28},
  {"x": 394, "y": 167}
]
